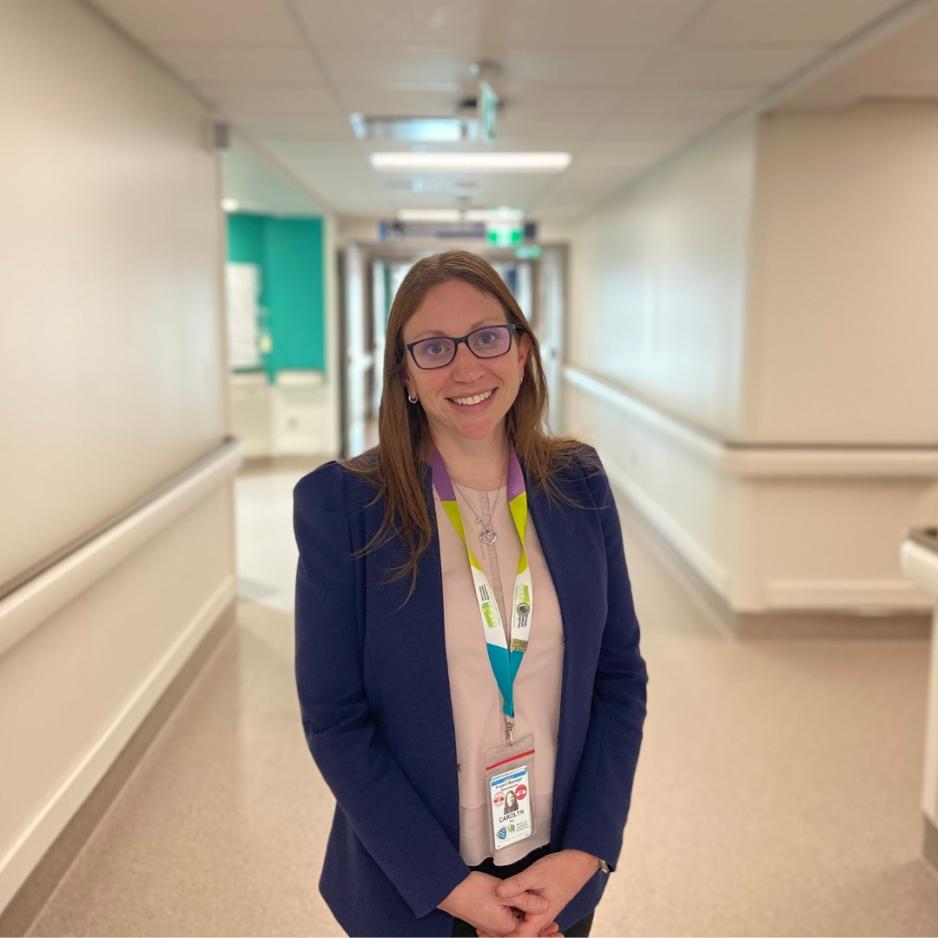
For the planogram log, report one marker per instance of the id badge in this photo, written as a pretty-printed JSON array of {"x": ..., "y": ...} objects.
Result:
[{"x": 509, "y": 785}]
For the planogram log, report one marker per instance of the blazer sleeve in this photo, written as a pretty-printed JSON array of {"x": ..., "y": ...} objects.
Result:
[
  {"x": 385, "y": 810},
  {"x": 603, "y": 788}
]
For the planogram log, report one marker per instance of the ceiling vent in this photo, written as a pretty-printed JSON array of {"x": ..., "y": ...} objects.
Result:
[{"x": 415, "y": 129}]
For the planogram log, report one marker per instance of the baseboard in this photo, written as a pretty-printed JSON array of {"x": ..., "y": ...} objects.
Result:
[
  {"x": 832, "y": 624},
  {"x": 31, "y": 897},
  {"x": 795, "y": 623}
]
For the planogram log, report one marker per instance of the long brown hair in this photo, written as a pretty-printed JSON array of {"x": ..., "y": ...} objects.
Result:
[{"x": 396, "y": 467}]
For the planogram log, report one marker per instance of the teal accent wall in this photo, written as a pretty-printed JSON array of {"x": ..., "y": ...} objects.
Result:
[
  {"x": 246, "y": 239},
  {"x": 289, "y": 253}
]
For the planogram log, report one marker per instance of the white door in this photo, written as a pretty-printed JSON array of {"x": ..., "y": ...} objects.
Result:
[
  {"x": 358, "y": 359},
  {"x": 552, "y": 293}
]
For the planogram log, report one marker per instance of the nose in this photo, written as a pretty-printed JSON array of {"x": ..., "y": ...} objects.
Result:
[{"x": 466, "y": 367}]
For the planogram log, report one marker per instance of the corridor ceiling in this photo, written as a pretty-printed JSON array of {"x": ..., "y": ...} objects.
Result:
[{"x": 620, "y": 84}]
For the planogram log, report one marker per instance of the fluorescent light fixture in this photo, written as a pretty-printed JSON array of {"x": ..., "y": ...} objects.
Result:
[
  {"x": 230, "y": 205},
  {"x": 473, "y": 162},
  {"x": 503, "y": 214},
  {"x": 413, "y": 129},
  {"x": 428, "y": 214}
]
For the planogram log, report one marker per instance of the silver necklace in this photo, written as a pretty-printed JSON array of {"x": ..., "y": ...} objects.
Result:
[{"x": 487, "y": 534}]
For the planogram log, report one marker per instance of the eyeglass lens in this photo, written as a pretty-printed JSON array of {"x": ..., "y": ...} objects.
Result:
[{"x": 483, "y": 343}]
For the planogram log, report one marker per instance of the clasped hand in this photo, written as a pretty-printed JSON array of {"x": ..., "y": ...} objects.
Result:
[{"x": 523, "y": 905}]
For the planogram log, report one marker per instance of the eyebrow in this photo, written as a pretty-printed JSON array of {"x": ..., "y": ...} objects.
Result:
[{"x": 482, "y": 322}]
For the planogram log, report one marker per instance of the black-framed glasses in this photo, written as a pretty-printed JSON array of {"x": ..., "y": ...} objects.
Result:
[{"x": 439, "y": 350}]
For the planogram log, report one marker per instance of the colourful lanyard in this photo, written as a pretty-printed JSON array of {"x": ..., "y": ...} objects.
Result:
[{"x": 504, "y": 660}]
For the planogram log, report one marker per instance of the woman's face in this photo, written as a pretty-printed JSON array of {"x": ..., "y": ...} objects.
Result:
[{"x": 455, "y": 308}]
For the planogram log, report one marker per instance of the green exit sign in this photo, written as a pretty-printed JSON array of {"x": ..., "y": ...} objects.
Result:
[{"x": 502, "y": 235}]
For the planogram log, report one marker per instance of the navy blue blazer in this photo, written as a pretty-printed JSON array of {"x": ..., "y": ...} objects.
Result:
[{"x": 375, "y": 700}]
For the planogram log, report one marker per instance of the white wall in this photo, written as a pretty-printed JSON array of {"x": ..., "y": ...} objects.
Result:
[
  {"x": 844, "y": 285},
  {"x": 659, "y": 281},
  {"x": 106, "y": 360},
  {"x": 773, "y": 284},
  {"x": 112, "y": 354}
]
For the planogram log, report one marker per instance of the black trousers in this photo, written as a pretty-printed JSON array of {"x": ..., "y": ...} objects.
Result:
[{"x": 463, "y": 929}]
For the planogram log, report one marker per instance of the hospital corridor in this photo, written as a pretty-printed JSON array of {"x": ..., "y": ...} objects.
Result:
[{"x": 716, "y": 221}]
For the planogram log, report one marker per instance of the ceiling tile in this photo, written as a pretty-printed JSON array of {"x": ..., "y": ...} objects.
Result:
[
  {"x": 568, "y": 67},
  {"x": 582, "y": 178},
  {"x": 550, "y": 102},
  {"x": 638, "y": 154},
  {"x": 794, "y": 21},
  {"x": 731, "y": 66},
  {"x": 390, "y": 63},
  {"x": 197, "y": 62},
  {"x": 270, "y": 98},
  {"x": 562, "y": 137},
  {"x": 683, "y": 99},
  {"x": 881, "y": 68},
  {"x": 378, "y": 21},
  {"x": 209, "y": 21},
  {"x": 619, "y": 83},
  {"x": 659, "y": 130},
  {"x": 567, "y": 23}
]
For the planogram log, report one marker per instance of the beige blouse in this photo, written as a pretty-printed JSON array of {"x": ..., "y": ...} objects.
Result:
[{"x": 477, "y": 711}]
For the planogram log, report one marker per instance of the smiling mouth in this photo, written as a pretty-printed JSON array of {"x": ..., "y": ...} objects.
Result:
[{"x": 474, "y": 399}]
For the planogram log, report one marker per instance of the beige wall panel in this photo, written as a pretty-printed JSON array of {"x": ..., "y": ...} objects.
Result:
[
  {"x": 844, "y": 283},
  {"x": 109, "y": 331},
  {"x": 679, "y": 489},
  {"x": 659, "y": 284},
  {"x": 835, "y": 543},
  {"x": 73, "y": 690}
]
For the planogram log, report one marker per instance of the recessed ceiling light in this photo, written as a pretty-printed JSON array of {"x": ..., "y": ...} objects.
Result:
[
  {"x": 428, "y": 214},
  {"x": 502, "y": 214},
  {"x": 472, "y": 162}
]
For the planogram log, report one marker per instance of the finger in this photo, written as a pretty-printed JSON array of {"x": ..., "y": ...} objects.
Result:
[
  {"x": 532, "y": 925},
  {"x": 530, "y": 903},
  {"x": 514, "y": 885},
  {"x": 549, "y": 931}
]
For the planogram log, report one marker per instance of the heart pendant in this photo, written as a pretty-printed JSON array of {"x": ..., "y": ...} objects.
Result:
[{"x": 487, "y": 536}]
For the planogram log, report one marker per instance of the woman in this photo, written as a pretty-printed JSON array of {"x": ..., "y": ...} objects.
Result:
[{"x": 466, "y": 544}]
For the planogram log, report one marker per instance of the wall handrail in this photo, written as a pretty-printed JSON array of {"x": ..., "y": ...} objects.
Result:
[
  {"x": 39, "y": 592},
  {"x": 764, "y": 460}
]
